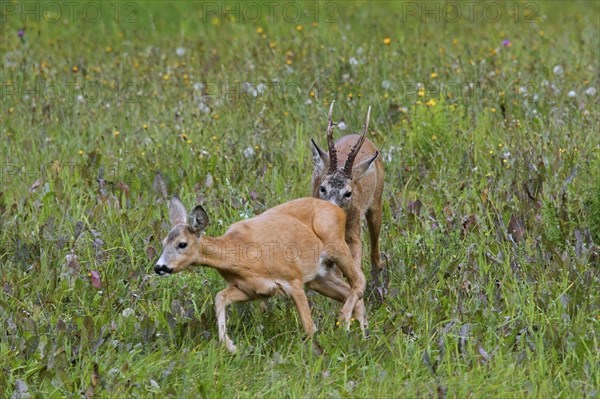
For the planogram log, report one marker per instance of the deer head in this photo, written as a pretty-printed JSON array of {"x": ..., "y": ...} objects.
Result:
[
  {"x": 337, "y": 185},
  {"x": 181, "y": 246}
]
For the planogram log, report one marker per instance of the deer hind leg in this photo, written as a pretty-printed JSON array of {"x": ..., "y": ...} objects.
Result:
[
  {"x": 356, "y": 279},
  {"x": 373, "y": 216},
  {"x": 229, "y": 295},
  {"x": 299, "y": 296},
  {"x": 334, "y": 287}
]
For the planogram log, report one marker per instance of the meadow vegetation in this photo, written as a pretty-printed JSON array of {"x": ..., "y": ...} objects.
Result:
[{"x": 488, "y": 125}]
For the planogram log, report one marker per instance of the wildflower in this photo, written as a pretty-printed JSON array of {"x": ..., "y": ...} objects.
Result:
[
  {"x": 430, "y": 103},
  {"x": 558, "y": 70},
  {"x": 75, "y": 68},
  {"x": 421, "y": 92},
  {"x": 350, "y": 95},
  {"x": 288, "y": 61},
  {"x": 166, "y": 76},
  {"x": 144, "y": 126},
  {"x": 299, "y": 28},
  {"x": 387, "y": 41},
  {"x": 21, "y": 33},
  {"x": 215, "y": 21},
  {"x": 572, "y": 94},
  {"x": 116, "y": 133},
  {"x": 272, "y": 44},
  {"x": 493, "y": 109},
  {"x": 433, "y": 75},
  {"x": 506, "y": 43},
  {"x": 180, "y": 51},
  {"x": 341, "y": 125},
  {"x": 80, "y": 152},
  {"x": 259, "y": 30},
  {"x": 108, "y": 49},
  {"x": 455, "y": 41},
  {"x": 433, "y": 137},
  {"x": 216, "y": 116},
  {"x": 590, "y": 91}
]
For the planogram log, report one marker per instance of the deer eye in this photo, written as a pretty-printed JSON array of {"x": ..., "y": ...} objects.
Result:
[
  {"x": 322, "y": 190},
  {"x": 182, "y": 245},
  {"x": 348, "y": 194}
]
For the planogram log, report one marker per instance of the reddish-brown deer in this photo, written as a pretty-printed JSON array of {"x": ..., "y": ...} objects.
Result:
[
  {"x": 296, "y": 244},
  {"x": 357, "y": 189}
]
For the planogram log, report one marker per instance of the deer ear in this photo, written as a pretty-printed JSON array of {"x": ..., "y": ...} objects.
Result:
[
  {"x": 177, "y": 212},
  {"x": 198, "y": 220},
  {"x": 320, "y": 158},
  {"x": 362, "y": 168}
]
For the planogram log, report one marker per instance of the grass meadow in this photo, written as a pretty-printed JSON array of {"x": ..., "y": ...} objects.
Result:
[{"x": 487, "y": 117}]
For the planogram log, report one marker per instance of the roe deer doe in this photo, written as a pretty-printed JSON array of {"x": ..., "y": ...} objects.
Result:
[{"x": 277, "y": 252}]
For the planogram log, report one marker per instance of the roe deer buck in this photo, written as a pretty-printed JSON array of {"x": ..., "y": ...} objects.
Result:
[
  {"x": 276, "y": 253},
  {"x": 356, "y": 189}
]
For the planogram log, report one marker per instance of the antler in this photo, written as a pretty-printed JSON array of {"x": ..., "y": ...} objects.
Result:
[
  {"x": 356, "y": 148},
  {"x": 332, "y": 150}
]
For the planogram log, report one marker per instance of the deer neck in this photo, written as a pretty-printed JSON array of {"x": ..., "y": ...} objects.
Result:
[
  {"x": 221, "y": 253},
  {"x": 353, "y": 215}
]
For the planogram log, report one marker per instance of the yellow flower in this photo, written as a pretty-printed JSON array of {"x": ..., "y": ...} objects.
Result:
[
  {"x": 80, "y": 152},
  {"x": 166, "y": 76},
  {"x": 144, "y": 126},
  {"x": 433, "y": 138},
  {"x": 387, "y": 41},
  {"x": 431, "y": 102},
  {"x": 455, "y": 41},
  {"x": 288, "y": 61},
  {"x": 272, "y": 44},
  {"x": 216, "y": 116},
  {"x": 299, "y": 28},
  {"x": 259, "y": 30},
  {"x": 433, "y": 75},
  {"x": 116, "y": 133},
  {"x": 493, "y": 109},
  {"x": 349, "y": 95},
  {"x": 421, "y": 92},
  {"x": 215, "y": 21},
  {"x": 108, "y": 49},
  {"x": 312, "y": 93},
  {"x": 75, "y": 68}
]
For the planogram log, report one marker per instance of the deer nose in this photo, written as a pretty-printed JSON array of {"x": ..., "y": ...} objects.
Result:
[{"x": 161, "y": 270}]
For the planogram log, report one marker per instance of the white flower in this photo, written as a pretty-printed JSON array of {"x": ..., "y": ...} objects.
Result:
[
  {"x": 261, "y": 88},
  {"x": 386, "y": 84},
  {"x": 198, "y": 86},
  {"x": 341, "y": 125},
  {"x": 558, "y": 70},
  {"x": 180, "y": 51},
  {"x": 308, "y": 101},
  {"x": 353, "y": 61},
  {"x": 81, "y": 99},
  {"x": 359, "y": 51},
  {"x": 249, "y": 152},
  {"x": 202, "y": 107},
  {"x": 590, "y": 91},
  {"x": 572, "y": 94}
]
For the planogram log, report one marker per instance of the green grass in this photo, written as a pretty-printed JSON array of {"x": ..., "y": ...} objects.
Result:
[{"x": 494, "y": 279}]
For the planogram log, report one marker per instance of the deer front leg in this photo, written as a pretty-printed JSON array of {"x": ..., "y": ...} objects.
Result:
[{"x": 229, "y": 295}]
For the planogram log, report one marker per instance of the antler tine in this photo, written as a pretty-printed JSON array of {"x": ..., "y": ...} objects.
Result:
[
  {"x": 330, "y": 144},
  {"x": 356, "y": 148}
]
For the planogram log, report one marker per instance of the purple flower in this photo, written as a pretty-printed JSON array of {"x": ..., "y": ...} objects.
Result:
[
  {"x": 506, "y": 43},
  {"x": 21, "y": 33}
]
